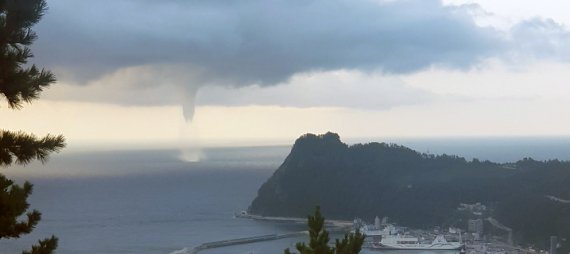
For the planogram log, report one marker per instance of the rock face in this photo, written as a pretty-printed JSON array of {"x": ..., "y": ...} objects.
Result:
[
  {"x": 301, "y": 177},
  {"x": 415, "y": 189}
]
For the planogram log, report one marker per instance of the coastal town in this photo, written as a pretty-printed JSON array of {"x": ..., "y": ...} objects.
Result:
[
  {"x": 482, "y": 234},
  {"x": 479, "y": 235}
]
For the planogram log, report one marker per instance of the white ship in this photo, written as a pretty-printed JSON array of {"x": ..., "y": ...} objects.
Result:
[
  {"x": 389, "y": 238},
  {"x": 376, "y": 233},
  {"x": 397, "y": 242}
]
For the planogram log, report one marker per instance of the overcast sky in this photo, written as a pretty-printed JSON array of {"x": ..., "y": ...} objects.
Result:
[{"x": 245, "y": 72}]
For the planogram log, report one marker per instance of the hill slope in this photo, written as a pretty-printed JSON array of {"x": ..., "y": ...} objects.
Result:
[{"x": 415, "y": 189}]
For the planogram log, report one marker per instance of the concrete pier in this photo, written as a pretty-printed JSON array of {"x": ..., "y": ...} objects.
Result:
[
  {"x": 238, "y": 241},
  {"x": 333, "y": 226},
  {"x": 553, "y": 244},
  {"x": 330, "y": 223}
]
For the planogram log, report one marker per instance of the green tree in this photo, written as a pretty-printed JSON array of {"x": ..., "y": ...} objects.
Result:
[
  {"x": 319, "y": 239},
  {"x": 21, "y": 83}
]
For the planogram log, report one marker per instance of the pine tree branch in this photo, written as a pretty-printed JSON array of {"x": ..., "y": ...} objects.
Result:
[
  {"x": 319, "y": 238},
  {"x": 20, "y": 84},
  {"x": 46, "y": 246},
  {"x": 13, "y": 204},
  {"x": 21, "y": 148},
  {"x": 24, "y": 85}
]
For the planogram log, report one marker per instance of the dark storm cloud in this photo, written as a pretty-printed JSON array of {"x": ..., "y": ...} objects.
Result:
[
  {"x": 149, "y": 52},
  {"x": 264, "y": 42}
]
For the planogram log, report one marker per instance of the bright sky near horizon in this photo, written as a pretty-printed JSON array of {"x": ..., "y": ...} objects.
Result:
[{"x": 263, "y": 72}]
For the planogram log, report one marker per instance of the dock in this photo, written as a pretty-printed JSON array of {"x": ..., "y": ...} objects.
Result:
[
  {"x": 246, "y": 240},
  {"x": 335, "y": 226},
  {"x": 329, "y": 223}
]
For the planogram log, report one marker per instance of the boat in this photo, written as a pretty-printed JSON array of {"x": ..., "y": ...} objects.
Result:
[
  {"x": 375, "y": 232},
  {"x": 403, "y": 242},
  {"x": 390, "y": 238},
  {"x": 412, "y": 243}
]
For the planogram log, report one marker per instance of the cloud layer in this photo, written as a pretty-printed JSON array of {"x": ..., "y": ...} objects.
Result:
[
  {"x": 262, "y": 42},
  {"x": 177, "y": 46}
]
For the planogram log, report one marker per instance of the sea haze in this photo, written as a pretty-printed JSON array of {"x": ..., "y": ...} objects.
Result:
[{"x": 152, "y": 201}]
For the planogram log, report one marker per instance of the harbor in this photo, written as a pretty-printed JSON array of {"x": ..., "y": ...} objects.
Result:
[{"x": 382, "y": 236}]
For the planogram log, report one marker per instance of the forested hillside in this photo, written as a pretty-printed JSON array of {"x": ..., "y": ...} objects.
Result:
[{"x": 416, "y": 189}]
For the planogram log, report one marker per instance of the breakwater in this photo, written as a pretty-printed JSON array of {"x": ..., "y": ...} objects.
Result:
[
  {"x": 333, "y": 226},
  {"x": 245, "y": 240}
]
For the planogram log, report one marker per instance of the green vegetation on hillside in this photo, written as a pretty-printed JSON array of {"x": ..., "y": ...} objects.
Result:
[{"x": 416, "y": 189}]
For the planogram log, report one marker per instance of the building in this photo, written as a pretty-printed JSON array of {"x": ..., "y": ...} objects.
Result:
[
  {"x": 475, "y": 226},
  {"x": 377, "y": 223}
]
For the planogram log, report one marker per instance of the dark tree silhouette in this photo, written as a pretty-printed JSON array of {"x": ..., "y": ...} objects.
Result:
[
  {"x": 25, "y": 147},
  {"x": 21, "y": 83},
  {"x": 319, "y": 239},
  {"x": 350, "y": 244}
]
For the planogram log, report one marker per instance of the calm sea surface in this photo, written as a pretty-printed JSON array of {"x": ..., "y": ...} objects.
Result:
[{"x": 154, "y": 202}]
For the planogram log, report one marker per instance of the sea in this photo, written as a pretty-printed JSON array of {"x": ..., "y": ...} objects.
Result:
[{"x": 159, "y": 201}]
